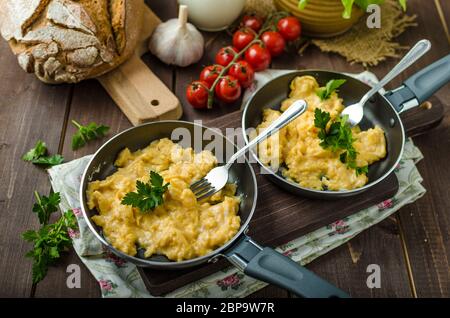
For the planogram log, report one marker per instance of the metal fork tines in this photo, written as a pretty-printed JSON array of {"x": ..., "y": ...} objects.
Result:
[
  {"x": 217, "y": 178},
  {"x": 202, "y": 188}
]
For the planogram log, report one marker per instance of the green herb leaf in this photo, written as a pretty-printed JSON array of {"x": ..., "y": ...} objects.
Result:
[
  {"x": 402, "y": 4},
  {"x": 30, "y": 235},
  {"x": 348, "y": 5},
  {"x": 45, "y": 206},
  {"x": 343, "y": 157},
  {"x": 362, "y": 170},
  {"x": 49, "y": 161},
  {"x": 302, "y": 4},
  {"x": 48, "y": 243},
  {"x": 321, "y": 118},
  {"x": 87, "y": 133},
  {"x": 332, "y": 86},
  {"x": 37, "y": 156},
  {"x": 148, "y": 195},
  {"x": 39, "y": 150}
]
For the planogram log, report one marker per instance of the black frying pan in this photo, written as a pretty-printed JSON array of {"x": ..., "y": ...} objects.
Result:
[
  {"x": 381, "y": 110},
  {"x": 262, "y": 263}
]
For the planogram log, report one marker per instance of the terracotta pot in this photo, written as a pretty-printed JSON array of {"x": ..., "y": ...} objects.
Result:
[{"x": 321, "y": 18}]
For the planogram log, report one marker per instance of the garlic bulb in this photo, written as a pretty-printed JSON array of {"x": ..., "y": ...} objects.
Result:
[{"x": 177, "y": 42}]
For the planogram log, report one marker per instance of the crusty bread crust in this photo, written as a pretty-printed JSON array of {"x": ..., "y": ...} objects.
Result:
[{"x": 71, "y": 40}]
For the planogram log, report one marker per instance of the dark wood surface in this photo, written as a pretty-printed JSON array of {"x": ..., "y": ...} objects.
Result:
[{"x": 412, "y": 248}]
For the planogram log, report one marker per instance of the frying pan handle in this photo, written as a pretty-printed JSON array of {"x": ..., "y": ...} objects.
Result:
[
  {"x": 268, "y": 265},
  {"x": 421, "y": 86}
]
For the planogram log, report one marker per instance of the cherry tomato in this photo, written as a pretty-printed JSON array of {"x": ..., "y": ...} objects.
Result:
[
  {"x": 197, "y": 94},
  {"x": 243, "y": 72},
  {"x": 274, "y": 42},
  {"x": 226, "y": 55},
  {"x": 228, "y": 89},
  {"x": 242, "y": 38},
  {"x": 253, "y": 22},
  {"x": 290, "y": 28},
  {"x": 258, "y": 57},
  {"x": 210, "y": 73}
]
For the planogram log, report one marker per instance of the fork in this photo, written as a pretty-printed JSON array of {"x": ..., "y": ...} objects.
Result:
[
  {"x": 355, "y": 112},
  {"x": 217, "y": 178}
]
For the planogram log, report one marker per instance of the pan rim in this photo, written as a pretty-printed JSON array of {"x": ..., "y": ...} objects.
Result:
[
  {"x": 327, "y": 193},
  {"x": 163, "y": 264}
]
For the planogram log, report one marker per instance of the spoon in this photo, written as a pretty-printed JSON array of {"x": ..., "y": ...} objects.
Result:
[{"x": 355, "y": 112}]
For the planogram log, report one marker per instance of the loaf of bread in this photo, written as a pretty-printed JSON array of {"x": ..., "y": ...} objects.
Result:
[{"x": 66, "y": 41}]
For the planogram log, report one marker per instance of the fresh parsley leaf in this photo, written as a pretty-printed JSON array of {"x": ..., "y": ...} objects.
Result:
[
  {"x": 45, "y": 206},
  {"x": 337, "y": 138},
  {"x": 321, "y": 118},
  {"x": 87, "y": 133},
  {"x": 156, "y": 179},
  {"x": 331, "y": 86},
  {"x": 30, "y": 236},
  {"x": 49, "y": 161},
  {"x": 37, "y": 156},
  {"x": 39, "y": 150},
  {"x": 362, "y": 170},
  {"x": 48, "y": 242},
  {"x": 343, "y": 157},
  {"x": 149, "y": 195}
]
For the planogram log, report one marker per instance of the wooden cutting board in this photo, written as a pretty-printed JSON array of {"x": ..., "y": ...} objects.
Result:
[
  {"x": 138, "y": 92},
  {"x": 281, "y": 217}
]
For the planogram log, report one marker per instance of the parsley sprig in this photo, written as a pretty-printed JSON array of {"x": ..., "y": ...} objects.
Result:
[
  {"x": 338, "y": 137},
  {"x": 45, "y": 206},
  {"x": 51, "y": 239},
  {"x": 149, "y": 195},
  {"x": 325, "y": 92},
  {"x": 48, "y": 242},
  {"x": 38, "y": 155},
  {"x": 87, "y": 133}
]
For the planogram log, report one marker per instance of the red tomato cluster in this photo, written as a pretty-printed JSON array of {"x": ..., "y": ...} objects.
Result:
[{"x": 226, "y": 79}]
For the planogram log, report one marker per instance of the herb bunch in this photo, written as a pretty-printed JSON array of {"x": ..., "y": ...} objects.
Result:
[
  {"x": 51, "y": 239},
  {"x": 338, "y": 137}
]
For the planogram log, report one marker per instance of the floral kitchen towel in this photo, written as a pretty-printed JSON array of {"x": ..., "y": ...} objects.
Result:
[{"x": 119, "y": 278}]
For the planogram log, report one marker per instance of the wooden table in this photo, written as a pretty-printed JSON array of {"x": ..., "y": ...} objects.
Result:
[{"x": 411, "y": 247}]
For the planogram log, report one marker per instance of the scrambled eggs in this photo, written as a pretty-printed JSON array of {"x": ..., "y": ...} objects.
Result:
[
  {"x": 181, "y": 228},
  {"x": 296, "y": 148}
]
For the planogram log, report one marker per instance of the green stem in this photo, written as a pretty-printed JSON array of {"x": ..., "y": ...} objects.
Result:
[
  {"x": 78, "y": 125},
  {"x": 38, "y": 198},
  {"x": 270, "y": 19},
  {"x": 225, "y": 70},
  {"x": 268, "y": 25}
]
